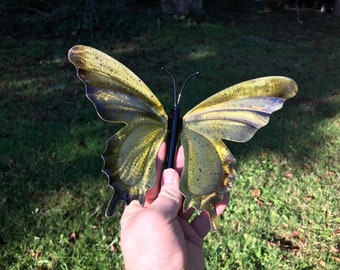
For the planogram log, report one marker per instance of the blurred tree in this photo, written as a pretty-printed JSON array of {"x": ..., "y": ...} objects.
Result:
[
  {"x": 337, "y": 8},
  {"x": 275, "y": 4},
  {"x": 182, "y": 7},
  {"x": 48, "y": 17}
]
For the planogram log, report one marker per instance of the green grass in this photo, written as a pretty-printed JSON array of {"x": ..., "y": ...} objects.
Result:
[{"x": 284, "y": 208}]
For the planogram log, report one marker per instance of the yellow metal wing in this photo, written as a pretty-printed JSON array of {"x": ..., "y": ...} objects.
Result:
[
  {"x": 207, "y": 174},
  {"x": 234, "y": 114},
  {"x": 237, "y": 112},
  {"x": 120, "y": 96}
]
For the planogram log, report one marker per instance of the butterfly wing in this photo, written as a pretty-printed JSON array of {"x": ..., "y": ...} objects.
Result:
[
  {"x": 233, "y": 114},
  {"x": 207, "y": 173},
  {"x": 120, "y": 96}
]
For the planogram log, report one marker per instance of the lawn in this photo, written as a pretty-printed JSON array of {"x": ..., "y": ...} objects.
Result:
[{"x": 284, "y": 211}]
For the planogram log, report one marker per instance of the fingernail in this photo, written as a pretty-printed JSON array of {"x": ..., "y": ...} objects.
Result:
[{"x": 169, "y": 176}]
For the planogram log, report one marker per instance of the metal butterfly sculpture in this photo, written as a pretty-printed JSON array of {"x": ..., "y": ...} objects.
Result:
[{"x": 233, "y": 114}]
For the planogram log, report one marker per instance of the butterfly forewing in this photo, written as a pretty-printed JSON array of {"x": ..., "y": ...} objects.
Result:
[
  {"x": 271, "y": 86},
  {"x": 117, "y": 93},
  {"x": 237, "y": 112},
  {"x": 236, "y": 120},
  {"x": 120, "y": 96}
]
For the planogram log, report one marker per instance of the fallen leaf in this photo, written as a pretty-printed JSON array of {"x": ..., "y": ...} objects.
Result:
[
  {"x": 260, "y": 202},
  {"x": 288, "y": 175},
  {"x": 295, "y": 234},
  {"x": 287, "y": 243},
  {"x": 72, "y": 237},
  {"x": 307, "y": 166},
  {"x": 317, "y": 160},
  {"x": 256, "y": 193},
  {"x": 336, "y": 259},
  {"x": 296, "y": 251},
  {"x": 322, "y": 263},
  {"x": 234, "y": 224},
  {"x": 336, "y": 232},
  {"x": 277, "y": 161},
  {"x": 308, "y": 198},
  {"x": 35, "y": 254},
  {"x": 334, "y": 250},
  {"x": 112, "y": 248}
]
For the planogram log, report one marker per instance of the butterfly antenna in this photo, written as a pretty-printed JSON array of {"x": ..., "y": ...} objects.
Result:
[
  {"x": 174, "y": 83},
  {"x": 185, "y": 82}
]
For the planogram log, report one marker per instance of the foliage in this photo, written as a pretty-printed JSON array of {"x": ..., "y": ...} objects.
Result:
[
  {"x": 77, "y": 16},
  {"x": 284, "y": 208}
]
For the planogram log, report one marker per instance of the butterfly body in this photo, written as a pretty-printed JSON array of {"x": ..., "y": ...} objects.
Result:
[
  {"x": 234, "y": 114},
  {"x": 175, "y": 123}
]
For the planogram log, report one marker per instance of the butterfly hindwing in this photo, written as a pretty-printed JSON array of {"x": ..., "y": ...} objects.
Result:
[
  {"x": 130, "y": 160},
  {"x": 207, "y": 174},
  {"x": 120, "y": 96}
]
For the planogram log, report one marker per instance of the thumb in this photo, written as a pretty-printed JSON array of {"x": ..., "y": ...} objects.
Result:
[{"x": 169, "y": 199}]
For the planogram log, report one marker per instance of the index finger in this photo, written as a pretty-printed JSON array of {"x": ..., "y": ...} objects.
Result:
[{"x": 152, "y": 193}]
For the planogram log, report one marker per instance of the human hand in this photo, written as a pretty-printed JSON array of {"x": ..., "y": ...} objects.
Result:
[{"x": 158, "y": 235}]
